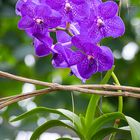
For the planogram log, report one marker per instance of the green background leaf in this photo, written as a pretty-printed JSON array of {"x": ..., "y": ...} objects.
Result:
[
  {"x": 135, "y": 128},
  {"x": 106, "y": 131},
  {"x": 48, "y": 125}
]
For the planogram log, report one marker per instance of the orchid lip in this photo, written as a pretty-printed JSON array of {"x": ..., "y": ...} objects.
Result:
[
  {"x": 89, "y": 57},
  {"x": 39, "y": 20},
  {"x": 68, "y": 7},
  {"x": 100, "y": 22}
]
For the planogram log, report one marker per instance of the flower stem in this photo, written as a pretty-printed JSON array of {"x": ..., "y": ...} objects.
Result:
[
  {"x": 104, "y": 90},
  {"x": 62, "y": 29},
  {"x": 120, "y": 106}
]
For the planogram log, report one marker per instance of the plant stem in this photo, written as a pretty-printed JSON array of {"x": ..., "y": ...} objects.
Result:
[
  {"x": 27, "y": 80},
  {"x": 86, "y": 89},
  {"x": 110, "y": 87},
  {"x": 17, "y": 98},
  {"x": 62, "y": 29},
  {"x": 96, "y": 93},
  {"x": 104, "y": 87},
  {"x": 120, "y": 106},
  {"x": 91, "y": 109}
]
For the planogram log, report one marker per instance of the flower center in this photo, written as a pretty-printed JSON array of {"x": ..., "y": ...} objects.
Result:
[
  {"x": 100, "y": 22},
  {"x": 91, "y": 60},
  {"x": 39, "y": 21},
  {"x": 89, "y": 57},
  {"x": 68, "y": 7}
]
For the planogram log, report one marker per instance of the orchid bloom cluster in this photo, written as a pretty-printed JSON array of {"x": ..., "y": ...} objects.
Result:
[{"x": 79, "y": 25}]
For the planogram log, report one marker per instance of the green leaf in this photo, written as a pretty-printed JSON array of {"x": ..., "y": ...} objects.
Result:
[
  {"x": 82, "y": 119},
  {"x": 135, "y": 128},
  {"x": 107, "y": 76},
  {"x": 50, "y": 124},
  {"x": 91, "y": 109},
  {"x": 125, "y": 128},
  {"x": 102, "y": 121},
  {"x": 96, "y": 127},
  {"x": 70, "y": 115},
  {"x": 65, "y": 113},
  {"x": 106, "y": 131},
  {"x": 63, "y": 139}
]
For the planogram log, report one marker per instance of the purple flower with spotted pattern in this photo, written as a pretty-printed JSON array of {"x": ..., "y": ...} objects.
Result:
[
  {"x": 21, "y": 2},
  {"x": 95, "y": 59},
  {"x": 83, "y": 24},
  {"x": 85, "y": 61},
  {"x": 103, "y": 22},
  {"x": 42, "y": 45},
  {"x": 71, "y": 10},
  {"x": 64, "y": 56},
  {"x": 36, "y": 19}
]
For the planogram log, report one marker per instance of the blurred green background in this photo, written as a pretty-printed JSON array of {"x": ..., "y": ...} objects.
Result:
[{"x": 17, "y": 57}]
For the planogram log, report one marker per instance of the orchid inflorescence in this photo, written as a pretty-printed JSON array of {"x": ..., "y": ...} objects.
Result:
[{"x": 79, "y": 25}]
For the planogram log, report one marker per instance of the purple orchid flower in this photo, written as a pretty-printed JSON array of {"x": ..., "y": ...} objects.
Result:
[
  {"x": 21, "y": 2},
  {"x": 71, "y": 10},
  {"x": 63, "y": 37},
  {"x": 95, "y": 59},
  {"x": 65, "y": 57},
  {"x": 102, "y": 22},
  {"x": 36, "y": 19},
  {"x": 19, "y": 5},
  {"x": 87, "y": 60},
  {"x": 89, "y": 22},
  {"x": 43, "y": 45}
]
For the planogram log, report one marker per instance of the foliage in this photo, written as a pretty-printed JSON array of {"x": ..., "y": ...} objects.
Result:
[
  {"x": 15, "y": 45},
  {"x": 96, "y": 131},
  {"x": 88, "y": 127}
]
